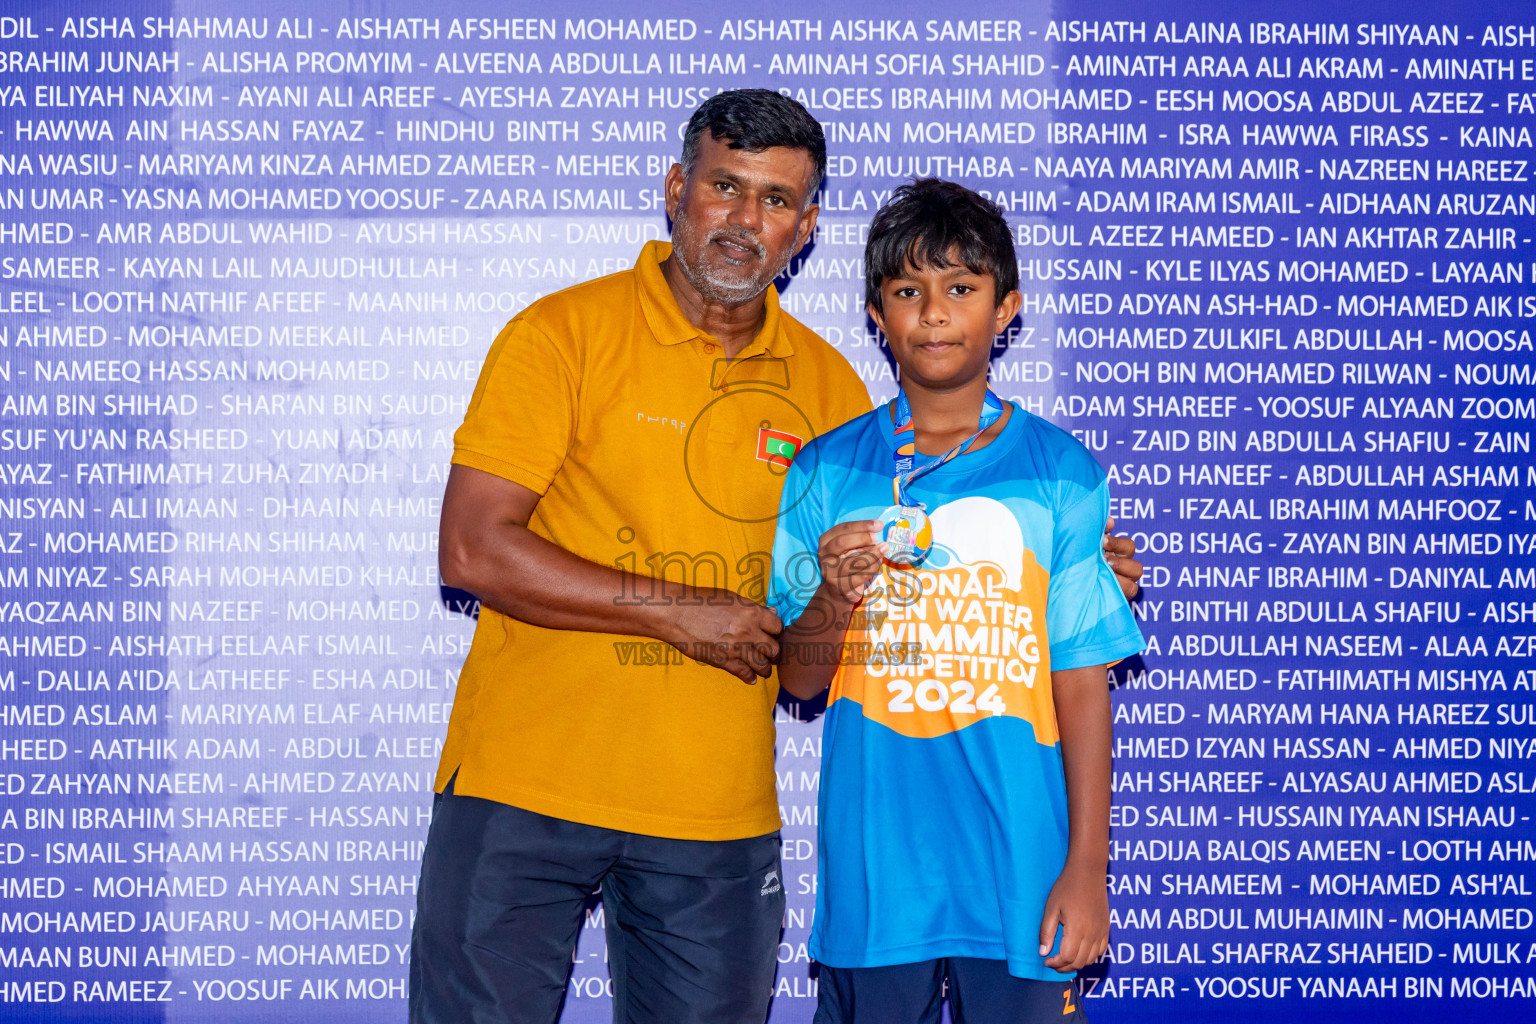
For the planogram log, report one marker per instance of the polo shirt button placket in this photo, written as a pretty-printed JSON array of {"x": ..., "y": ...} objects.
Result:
[{"x": 709, "y": 347}]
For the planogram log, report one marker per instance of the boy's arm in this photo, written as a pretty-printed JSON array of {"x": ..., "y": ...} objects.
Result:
[
  {"x": 1079, "y": 900},
  {"x": 811, "y": 648}
]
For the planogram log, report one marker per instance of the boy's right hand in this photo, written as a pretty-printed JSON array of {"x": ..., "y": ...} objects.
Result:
[{"x": 850, "y": 558}]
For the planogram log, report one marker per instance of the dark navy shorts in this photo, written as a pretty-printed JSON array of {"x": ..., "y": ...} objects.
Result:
[
  {"x": 693, "y": 927},
  {"x": 980, "y": 992}
]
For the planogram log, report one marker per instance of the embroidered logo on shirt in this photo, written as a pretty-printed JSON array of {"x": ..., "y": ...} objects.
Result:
[
  {"x": 681, "y": 426},
  {"x": 771, "y": 883},
  {"x": 777, "y": 446}
]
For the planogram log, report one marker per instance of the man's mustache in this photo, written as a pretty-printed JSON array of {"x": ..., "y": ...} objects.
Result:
[{"x": 739, "y": 233}]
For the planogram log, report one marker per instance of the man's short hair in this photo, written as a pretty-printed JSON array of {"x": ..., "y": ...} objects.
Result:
[
  {"x": 755, "y": 120},
  {"x": 923, "y": 223}
]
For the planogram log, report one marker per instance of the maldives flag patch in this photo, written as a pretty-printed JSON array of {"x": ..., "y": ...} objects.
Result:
[{"x": 777, "y": 447}]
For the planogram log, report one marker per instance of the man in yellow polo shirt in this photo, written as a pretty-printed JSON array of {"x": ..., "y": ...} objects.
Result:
[{"x": 612, "y": 503}]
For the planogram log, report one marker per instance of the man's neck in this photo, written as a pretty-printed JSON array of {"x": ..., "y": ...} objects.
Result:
[
  {"x": 733, "y": 326},
  {"x": 943, "y": 418}
]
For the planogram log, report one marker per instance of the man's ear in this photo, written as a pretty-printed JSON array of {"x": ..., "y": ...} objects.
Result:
[
  {"x": 1007, "y": 310},
  {"x": 807, "y": 226},
  {"x": 672, "y": 186}
]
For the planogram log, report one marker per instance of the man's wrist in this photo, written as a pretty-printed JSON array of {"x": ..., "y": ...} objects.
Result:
[{"x": 663, "y": 619}]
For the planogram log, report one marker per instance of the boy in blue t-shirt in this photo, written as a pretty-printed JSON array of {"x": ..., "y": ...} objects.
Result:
[{"x": 938, "y": 564}]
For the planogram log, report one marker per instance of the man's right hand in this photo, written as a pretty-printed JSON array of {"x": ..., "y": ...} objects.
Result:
[
  {"x": 730, "y": 632},
  {"x": 486, "y": 548}
]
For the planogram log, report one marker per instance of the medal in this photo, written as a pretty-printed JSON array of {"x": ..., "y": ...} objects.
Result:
[
  {"x": 905, "y": 531},
  {"x": 905, "y": 535}
]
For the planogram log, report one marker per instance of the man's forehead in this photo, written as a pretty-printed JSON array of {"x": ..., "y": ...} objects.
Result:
[{"x": 787, "y": 165}]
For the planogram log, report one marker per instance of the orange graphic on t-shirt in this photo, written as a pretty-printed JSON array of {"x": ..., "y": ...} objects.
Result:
[{"x": 931, "y": 651}]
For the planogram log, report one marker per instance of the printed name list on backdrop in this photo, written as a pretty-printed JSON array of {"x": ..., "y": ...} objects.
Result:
[{"x": 1277, "y": 275}]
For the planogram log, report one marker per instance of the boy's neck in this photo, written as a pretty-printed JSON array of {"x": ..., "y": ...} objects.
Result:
[{"x": 943, "y": 418}]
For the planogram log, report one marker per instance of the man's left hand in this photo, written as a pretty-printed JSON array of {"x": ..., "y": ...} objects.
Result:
[{"x": 1120, "y": 553}]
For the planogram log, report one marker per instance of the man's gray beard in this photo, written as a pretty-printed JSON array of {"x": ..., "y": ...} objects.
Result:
[{"x": 729, "y": 292}]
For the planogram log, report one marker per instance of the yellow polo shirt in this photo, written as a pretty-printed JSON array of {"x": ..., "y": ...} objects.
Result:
[{"x": 655, "y": 454}]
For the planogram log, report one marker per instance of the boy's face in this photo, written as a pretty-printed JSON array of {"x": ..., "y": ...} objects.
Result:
[{"x": 941, "y": 321}]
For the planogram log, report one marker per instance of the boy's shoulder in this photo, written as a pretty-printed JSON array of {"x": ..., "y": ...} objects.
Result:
[
  {"x": 1068, "y": 459},
  {"x": 842, "y": 442}
]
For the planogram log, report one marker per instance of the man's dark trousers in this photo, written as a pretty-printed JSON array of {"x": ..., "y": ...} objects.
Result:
[{"x": 693, "y": 927}]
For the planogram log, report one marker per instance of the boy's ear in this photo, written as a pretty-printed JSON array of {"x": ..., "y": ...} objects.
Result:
[
  {"x": 874, "y": 314},
  {"x": 1007, "y": 310}
]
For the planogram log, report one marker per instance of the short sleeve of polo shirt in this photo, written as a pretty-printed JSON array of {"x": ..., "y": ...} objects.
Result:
[
  {"x": 522, "y": 416},
  {"x": 1087, "y": 618}
]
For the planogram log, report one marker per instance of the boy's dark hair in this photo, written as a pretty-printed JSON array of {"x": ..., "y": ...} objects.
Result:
[
  {"x": 922, "y": 223},
  {"x": 755, "y": 120}
]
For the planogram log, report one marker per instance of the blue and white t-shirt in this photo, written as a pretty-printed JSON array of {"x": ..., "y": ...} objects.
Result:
[{"x": 943, "y": 802}]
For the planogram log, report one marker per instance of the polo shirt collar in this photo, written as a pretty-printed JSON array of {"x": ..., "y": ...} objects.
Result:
[{"x": 670, "y": 327}]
